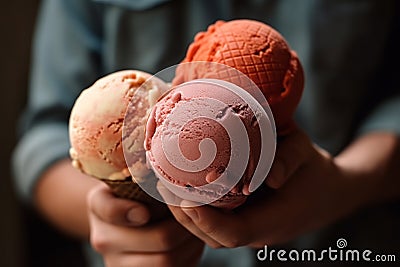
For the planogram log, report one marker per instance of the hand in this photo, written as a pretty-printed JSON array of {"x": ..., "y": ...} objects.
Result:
[
  {"x": 119, "y": 230},
  {"x": 313, "y": 191}
]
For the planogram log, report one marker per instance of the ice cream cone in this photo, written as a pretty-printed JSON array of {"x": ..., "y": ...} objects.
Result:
[{"x": 129, "y": 189}]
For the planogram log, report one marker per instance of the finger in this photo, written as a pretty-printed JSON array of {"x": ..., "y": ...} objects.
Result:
[
  {"x": 188, "y": 254},
  {"x": 162, "y": 236},
  {"x": 115, "y": 210},
  {"x": 291, "y": 153},
  {"x": 168, "y": 197},
  {"x": 174, "y": 203},
  {"x": 181, "y": 210},
  {"x": 172, "y": 199},
  {"x": 215, "y": 226},
  {"x": 190, "y": 225}
]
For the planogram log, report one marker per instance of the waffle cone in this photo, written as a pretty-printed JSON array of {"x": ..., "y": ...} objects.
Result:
[{"x": 130, "y": 190}]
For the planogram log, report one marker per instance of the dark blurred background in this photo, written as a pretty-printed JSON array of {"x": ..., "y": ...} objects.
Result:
[{"x": 25, "y": 240}]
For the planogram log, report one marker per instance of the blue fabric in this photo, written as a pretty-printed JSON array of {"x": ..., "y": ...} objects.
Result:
[{"x": 138, "y": 5}]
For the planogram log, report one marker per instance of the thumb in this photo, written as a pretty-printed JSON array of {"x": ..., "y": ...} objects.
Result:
[{"x": 111, "y": 209}]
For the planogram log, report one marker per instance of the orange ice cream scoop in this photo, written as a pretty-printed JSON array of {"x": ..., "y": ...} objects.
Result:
[
  {"x": 258, "y": 51},
  {"x": 106, "y": 130},
  {"x": 96, "y": 125}
]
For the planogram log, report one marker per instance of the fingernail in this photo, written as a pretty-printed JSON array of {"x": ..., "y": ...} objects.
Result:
[
  {"x": 192, "y": 213},
  {"x": 134, "y": 217}
]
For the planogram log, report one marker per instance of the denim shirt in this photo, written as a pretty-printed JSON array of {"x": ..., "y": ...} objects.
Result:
[{"x": 347, "y": 48}]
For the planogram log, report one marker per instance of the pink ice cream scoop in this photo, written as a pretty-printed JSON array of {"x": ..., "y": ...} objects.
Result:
[{"x": 204, "y": 142}]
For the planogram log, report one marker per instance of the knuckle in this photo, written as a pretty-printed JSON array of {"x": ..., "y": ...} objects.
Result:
[
  {"x": 184, "y": 220},
  {"x": 257, "y": 244},
  {"x": 99, "y": 243},
  {"x": 234, "y": 242},
  {"x": 209, "y": 229},
  {"x": 214, "y": 245},
  {"x": 91, "y": 198}
]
